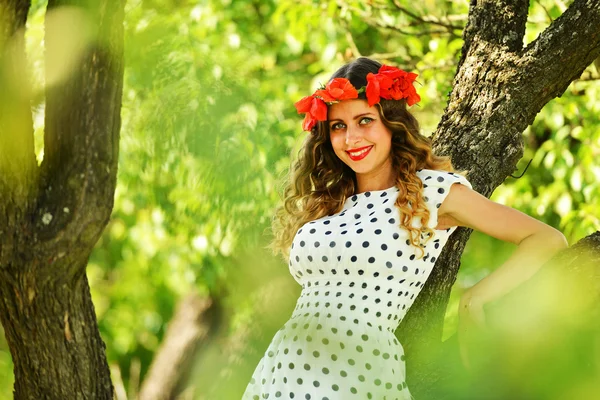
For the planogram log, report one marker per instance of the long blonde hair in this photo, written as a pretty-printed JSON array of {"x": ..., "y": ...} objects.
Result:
[{"x": 318, "y": 182}]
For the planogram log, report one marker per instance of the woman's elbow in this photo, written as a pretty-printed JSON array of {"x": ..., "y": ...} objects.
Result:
[{"x": 559, "y": 240}]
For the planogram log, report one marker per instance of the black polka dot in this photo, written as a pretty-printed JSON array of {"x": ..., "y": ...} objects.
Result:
[{"x": 356, "y": 303}]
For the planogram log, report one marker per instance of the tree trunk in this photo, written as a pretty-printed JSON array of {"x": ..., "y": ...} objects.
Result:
[
  {"x": 51, "y": 216},
  {"x": 188, "y": 328},
  {"x": 499, "y": 88}
]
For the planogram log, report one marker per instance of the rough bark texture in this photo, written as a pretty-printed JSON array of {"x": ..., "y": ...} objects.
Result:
[
  {"x": 499, "y": 88},
  {"x": 51, "y": 216}
]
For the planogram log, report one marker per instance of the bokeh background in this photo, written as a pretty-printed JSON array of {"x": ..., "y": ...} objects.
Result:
[{"x": 208, "y": 129}]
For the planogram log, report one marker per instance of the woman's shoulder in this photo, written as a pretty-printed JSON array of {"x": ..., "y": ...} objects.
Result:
[{"x": 441, "y": 178}]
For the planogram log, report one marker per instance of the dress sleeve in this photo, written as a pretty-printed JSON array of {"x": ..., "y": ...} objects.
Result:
[{"x": 436, "y": 186}]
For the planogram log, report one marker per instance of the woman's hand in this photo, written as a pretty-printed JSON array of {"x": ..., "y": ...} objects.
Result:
[{"x": 471, "y": 323}]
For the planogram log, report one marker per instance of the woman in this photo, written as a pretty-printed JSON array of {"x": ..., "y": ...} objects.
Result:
[{"x": 368, "y": 209}]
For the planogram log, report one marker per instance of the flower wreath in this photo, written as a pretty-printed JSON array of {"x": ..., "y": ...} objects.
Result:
[{"x": 388, "y": 83}]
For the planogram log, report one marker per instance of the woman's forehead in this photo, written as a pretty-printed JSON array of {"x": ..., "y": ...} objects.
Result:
[{"x": 349, "y": 108}]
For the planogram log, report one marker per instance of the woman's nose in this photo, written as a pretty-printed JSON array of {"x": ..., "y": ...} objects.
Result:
[{"x": 352, "y": 135}]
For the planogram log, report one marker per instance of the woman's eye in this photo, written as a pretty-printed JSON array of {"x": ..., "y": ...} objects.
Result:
[
  {"x": 367, "y": 119},
  {"x": 336, "y": 126}
]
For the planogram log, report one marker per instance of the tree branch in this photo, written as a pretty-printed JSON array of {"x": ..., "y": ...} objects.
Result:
[
  {"x": 81, "y": 152},
  {"x": 545, "y": 10},
  {"x": 17, "y": 157},
  {"x": 562, "y": 51},
  {"x": 189, "y": 326},
  {"x": 18, "y": 165},
  {"x": 407, "y": 62},
  {"x": 497, "y": 92},
  {"x": 429, "y": 19},
  {"x": 352, "y": 44},
  {"x": 399, "y": 29},
  {"x": 501, "y": 23},
  {"x": 372, "y": 21}
]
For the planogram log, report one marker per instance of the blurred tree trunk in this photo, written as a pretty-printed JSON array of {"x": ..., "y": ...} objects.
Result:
[
  {"x": 52, "y": 215},
  {"x": 190, "y": 326},
  {"x": 499, "y": 88}
]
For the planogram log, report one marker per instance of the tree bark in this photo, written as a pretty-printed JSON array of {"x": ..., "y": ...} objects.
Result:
[
  {"x": 51, "y": 216},
  {"x": 499, "y": 88},
  {"x": 188, "y": 328}
]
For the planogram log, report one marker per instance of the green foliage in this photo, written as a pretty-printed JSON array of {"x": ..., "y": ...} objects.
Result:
[{"x": 208, "y": 127}]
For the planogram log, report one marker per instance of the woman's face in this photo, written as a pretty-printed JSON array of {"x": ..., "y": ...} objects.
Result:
[{"x": 360, "y": 139}]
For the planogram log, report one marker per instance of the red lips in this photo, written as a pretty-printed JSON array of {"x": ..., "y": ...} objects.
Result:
[{"x": 361, "y": 156}]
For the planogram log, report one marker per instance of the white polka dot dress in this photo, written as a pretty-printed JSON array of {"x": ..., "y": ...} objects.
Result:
[{"x": 359, "y": 277}]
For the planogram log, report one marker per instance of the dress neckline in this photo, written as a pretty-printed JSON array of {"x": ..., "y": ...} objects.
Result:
[
  {"x": 384, "y": 190},
  {"x": 369, "y": 194},
  {"x": 374, "y": 191}
]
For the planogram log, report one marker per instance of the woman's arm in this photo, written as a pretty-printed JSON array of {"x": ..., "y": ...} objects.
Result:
[{"x": 537, "y": 242}]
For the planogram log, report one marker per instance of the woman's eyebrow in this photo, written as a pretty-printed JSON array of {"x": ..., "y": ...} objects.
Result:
[{"x": 356, "y": 117}]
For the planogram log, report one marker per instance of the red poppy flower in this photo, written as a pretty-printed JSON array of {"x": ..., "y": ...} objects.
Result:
[
  {"x": 337, "y": 89},
  {"x": 377, "y": 86},
  {"x": 315, "y": 109},
  {"x": 398, "y": 89},
  {"x": 391, "y": 72},
  {"x": 412, "y": 96},
  {"x": 388, "y": 83},
  {"x": 308, "y": 122},
  {"x": 408, "y": 88}
]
